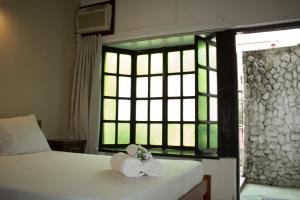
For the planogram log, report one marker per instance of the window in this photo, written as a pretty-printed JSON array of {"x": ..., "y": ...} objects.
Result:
[{"x": 164, "y": 99}]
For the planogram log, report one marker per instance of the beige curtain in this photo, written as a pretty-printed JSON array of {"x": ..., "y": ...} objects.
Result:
[{"x": 85, "y": 102}]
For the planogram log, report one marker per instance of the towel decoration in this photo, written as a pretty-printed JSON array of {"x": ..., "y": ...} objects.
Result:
[{"x": 137, "y": 162}]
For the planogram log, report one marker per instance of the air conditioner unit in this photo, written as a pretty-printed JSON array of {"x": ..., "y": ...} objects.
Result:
[{"x": 94, "y": 19}]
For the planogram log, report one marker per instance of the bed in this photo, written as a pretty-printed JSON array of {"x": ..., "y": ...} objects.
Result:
[{"x": 52, "y": 175}]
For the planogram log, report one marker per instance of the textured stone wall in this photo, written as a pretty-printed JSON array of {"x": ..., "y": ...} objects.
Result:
[{"x": 272, "y": 116}]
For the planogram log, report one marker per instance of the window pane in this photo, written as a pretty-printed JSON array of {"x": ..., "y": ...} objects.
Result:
[
  {"x": 202, "y": 80},
  {"x": 202, "y": 108},
  {"x": 124, "y": 110},
  {"x": 174, "y": 134},
  {"x": 174, "y": 61},
  {"x": 156, "y": 86},
  {"x": 124, "y": 86},
  {"x": 141, "y": 134},
  {"x": 155, "y": 134},
  {"x": 212, "y": 82},
  {"x": 202, "y": 53},
  {"x": 174, "y": 86},
  {"x": 189, "y": 110},
  {"x": 110, "y": 86},
  {"x": 142, "y": 87},
  {"x": 142, "y": 64},
  {"x": 189, "y": 60},
  {"x": 213, "y": 136},
  {"x": 189, "y": 85},
  {"x": 156, "y": 63},
  {"x": 189, "y": 135},
  {"x": 213, "y": 109},
  {"x": 212, "y": 56},
  {"x": 141, "y": 110},
  {"x": 174, "y": 110},
  {"x": 202, "y": 136},
  {"x": 156, "y": 110},
  {"x": 110, "y": 64},
  {"x": 109, "y": 107},
  {"x": 125, "y": 64},
  {"x": 109, "y": 133},
  {"x": 123, "y": 133}
]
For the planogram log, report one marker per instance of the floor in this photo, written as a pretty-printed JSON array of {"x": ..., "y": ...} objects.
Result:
[{"x": 262, "y": 192}]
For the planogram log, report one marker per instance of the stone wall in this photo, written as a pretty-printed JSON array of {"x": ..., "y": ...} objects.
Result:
[{"x": 272, "y": 116}]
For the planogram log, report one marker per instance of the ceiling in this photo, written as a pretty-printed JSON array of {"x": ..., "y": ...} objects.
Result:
[{"x": 155, "y": 43}]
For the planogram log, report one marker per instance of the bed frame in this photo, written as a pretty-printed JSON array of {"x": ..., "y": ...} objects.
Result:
[{"x": 200, "y": 191}]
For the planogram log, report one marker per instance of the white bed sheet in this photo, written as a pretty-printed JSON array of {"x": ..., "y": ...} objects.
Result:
[{"x": 69, "y": 176}]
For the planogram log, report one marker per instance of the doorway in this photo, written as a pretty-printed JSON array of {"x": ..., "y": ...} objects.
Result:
[{"x": 262, "y": 73}]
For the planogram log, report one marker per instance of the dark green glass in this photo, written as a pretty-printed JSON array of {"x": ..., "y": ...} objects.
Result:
[
  {"x": 213, "y": 143},
  {"x": 202, "y": 136},
  {"x": 202, "y": 108},
  {"x": 202, "y": 53},
  {"x": 202, "y": 80}
]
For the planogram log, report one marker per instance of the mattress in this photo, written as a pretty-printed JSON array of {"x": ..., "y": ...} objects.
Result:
[{"x": 69, "y": 176}]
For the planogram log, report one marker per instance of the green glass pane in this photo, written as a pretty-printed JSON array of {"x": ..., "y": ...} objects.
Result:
[
  {"x": 188, "y": 60},
  {"x": 174, "y": 134},
  {"x": 202, "y": 53},
  {"x": 174, "y": 62},
  {"x": 109, "y": 109},
  {"x": 124, "y": 86},
  {"x": 202, "y": 136},
  {"x": 141, "y": 134},
  {"x": 110, "y": 86},
  {"x": 156, "y": 134},
  {"x": 142, "y": 65},
  {"x": 202, "y": 80},
  {"x": 125, "y": 64},
  {"x": 123, "y": 133},
  {"x": 202, "y": 108},
  {"x": 212, "y": 56},
  {"x": 156, "y": 63},
  {"x": 189, "y": 135},
  {"x": 110, "y": 64},
  {"x": 213, "y": 143},
  {"x": 109, "y": 133},
  {"x": 124, "y": 110}
]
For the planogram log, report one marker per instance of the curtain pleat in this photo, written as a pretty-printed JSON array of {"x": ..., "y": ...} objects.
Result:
[{"x": 85, "y": 102}]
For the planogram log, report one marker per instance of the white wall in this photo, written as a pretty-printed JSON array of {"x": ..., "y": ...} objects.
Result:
[
  {"x": 144, "y": 18},
  {"x": 37, "y": 50}
]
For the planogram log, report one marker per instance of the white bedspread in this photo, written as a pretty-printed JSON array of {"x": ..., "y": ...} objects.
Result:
[{"x": 69, "y": 176}]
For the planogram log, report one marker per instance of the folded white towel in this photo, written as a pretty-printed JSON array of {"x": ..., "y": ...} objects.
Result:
[
  {"x": 132, "y": 149},
  {"x": 126, "y": 165},
  {"x": 152, "y": 167}
]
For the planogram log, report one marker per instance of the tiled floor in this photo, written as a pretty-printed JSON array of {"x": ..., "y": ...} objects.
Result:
[{"x": 262, "y": 192}]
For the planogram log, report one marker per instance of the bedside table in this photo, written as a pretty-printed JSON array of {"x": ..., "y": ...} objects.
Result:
[{"x": 68, "y": 145}]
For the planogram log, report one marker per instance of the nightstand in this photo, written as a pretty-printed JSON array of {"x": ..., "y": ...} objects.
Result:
[{"x": 68, "y": 145}]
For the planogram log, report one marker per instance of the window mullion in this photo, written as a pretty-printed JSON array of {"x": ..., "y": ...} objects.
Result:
[
  {"x": 181, "y": 99},
  {"x": 133, "y": 99},
  {"x": 165, "y": 101},
  {"x": 117, "y": 100}
]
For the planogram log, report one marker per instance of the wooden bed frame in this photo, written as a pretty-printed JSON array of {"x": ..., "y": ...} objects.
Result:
[{"x": 200, "y": 191}]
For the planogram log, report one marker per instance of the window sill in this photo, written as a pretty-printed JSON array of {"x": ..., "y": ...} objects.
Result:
[{"x": 167, "y": 153}]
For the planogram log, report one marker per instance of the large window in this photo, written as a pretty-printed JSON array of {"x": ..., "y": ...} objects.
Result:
[{"x": 164, "y": 99}]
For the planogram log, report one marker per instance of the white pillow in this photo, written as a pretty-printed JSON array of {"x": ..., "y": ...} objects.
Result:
[{"x": 21, "y": 135}]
